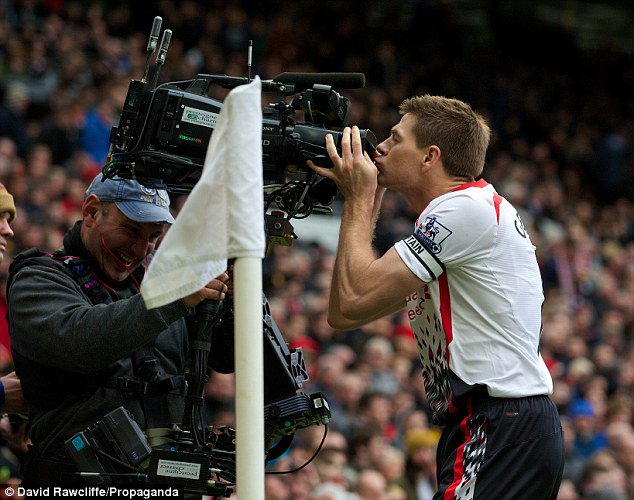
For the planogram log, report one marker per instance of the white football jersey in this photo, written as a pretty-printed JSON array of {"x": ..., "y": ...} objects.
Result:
[{"x": 477, "y": 319}]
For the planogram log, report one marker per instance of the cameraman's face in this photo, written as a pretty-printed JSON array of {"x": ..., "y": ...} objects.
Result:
[{"x": 117, "y": 243}]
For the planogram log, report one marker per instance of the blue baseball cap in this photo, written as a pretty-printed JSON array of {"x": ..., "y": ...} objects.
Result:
[{"x": 137, "y": 202}]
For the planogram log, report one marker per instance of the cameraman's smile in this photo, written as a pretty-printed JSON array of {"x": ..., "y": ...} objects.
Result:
[{"x": 118, "y": 243}]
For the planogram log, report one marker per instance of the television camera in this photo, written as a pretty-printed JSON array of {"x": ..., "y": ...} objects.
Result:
[
  {"x": 164, "y": 131},
  {"x": 161, "y": 141}
]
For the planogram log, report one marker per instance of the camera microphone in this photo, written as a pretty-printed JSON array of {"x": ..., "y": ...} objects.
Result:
[
  {"x": 154, "y": 34},
  {"x": 165, "y": 43},
  {"x": 303, "y": 81},
  {"x": 151, "y": 44}
]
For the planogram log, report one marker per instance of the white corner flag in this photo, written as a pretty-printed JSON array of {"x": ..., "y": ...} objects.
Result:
[{"x": 223, "y": 216}]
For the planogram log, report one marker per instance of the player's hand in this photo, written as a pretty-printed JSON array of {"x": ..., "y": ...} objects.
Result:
[{"x": 353, "y": 171}]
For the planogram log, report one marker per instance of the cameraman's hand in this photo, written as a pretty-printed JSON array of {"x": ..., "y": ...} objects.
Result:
[
  {"x": 13, "y": 399},
  {"x": 354, "y": 171},
  {"x": 216, "y": 289}
]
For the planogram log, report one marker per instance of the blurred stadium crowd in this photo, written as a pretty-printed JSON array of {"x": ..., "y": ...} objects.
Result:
[{"x": 561, "y": 152}]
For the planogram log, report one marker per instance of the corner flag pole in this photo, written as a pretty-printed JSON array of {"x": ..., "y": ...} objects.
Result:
[{"x": 249, "y": 370}]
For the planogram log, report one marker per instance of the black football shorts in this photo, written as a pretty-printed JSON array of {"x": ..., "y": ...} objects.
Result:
[{"x": 499, "y": 448}]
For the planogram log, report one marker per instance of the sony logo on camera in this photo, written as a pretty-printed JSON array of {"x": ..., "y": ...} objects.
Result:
[{"x": 171, "y": 468}]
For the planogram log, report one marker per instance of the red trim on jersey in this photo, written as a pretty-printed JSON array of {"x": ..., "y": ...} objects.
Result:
[
  {"x": 497, "y": 199},
  {"x": 458, "y": 465},
  {"x": 480, "y": 183},
  {"x": 445, "y": 309}
]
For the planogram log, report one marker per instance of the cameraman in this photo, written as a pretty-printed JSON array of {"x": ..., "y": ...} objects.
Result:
[
  {"x": 83, "y": 341},
  {"x": 469, "y": 278}
]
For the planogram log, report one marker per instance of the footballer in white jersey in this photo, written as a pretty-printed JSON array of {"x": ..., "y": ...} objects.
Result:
[
  {"x": 476, "y": 319},
  {"x": 469, "y": 281}
]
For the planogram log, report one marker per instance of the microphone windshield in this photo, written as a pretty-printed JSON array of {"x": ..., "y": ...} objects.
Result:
[{"x": 303, "y": 81}]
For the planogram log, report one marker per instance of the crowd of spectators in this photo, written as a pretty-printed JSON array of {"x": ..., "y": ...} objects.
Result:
[{"x": 561, "y": 152}]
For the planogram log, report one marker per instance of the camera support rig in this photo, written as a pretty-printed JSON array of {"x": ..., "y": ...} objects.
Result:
[{"x": 199, "y": 458}]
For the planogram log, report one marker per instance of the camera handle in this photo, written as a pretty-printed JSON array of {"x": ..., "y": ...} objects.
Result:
[{"x": 207, "y": 313}]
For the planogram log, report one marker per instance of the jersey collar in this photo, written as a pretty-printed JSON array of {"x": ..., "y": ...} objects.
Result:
[{"x": 480, "y": 183}]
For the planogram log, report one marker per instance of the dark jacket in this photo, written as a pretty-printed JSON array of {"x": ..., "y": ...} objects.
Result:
[{"x": 56, "y": 329}]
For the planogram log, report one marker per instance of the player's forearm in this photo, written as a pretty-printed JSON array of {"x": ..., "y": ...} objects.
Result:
[
  {"x": 354, "y": 256},
  {"x": 335, "y": 317}
]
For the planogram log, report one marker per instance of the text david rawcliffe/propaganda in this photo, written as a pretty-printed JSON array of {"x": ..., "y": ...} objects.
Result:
[{"x": 89, "y": 492}]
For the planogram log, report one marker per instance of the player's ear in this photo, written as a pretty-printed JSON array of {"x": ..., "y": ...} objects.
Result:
[{"x": 431, "y": 154}]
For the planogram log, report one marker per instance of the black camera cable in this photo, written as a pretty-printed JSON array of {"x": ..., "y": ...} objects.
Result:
[{"x": 323, "y": 439}]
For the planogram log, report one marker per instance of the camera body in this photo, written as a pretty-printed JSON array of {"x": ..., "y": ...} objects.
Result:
[
  {"x": 163, "y": 133},
  {"x": 164, "y": 130}
]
